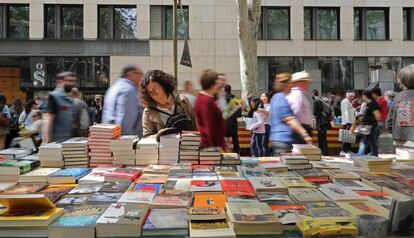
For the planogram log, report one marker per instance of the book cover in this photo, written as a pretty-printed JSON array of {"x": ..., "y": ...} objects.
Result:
[
  {"x": 280, "y": 198},
  {"x": 178, "y": 184},
  {"x": 401, "y": 217},
  {"x": 128, "y": 174},
  {"x": 79, "y": 217},
  {"x": 11, "y": 167},
  {"x": 166, "y": 219},
  {"x": 236, "y": 185},
  {"x": 148, "y": 187},
  {"x": 137, "y": 197},
  {"x": 295, "y": 182},
  {"x": 205, "y": 200},
  {"x": 205, "y": 186},
  {"x": 114, "y": 187},
  {"x": 288, "y": 214},
  {"x": 25, "y": 189},
  {"x": 123, "y": 213},
  {"x": 327, "y": 209},
  {"x": 71, "y": 172},
  {"x": 6, "y": 185},
  {"x": 267, "y": 184},
  {"x": 104, "y": 198},
  {"x": 354, "y": 185},
  {"x": 213, "y": 228},
  {"x": 304, "y": 195},
  {"x": 204, "y": 176},
  {"x": 73, "y": 200},
  {"x": 57, "y": 191},
  {"x": 86, "y": 188},
  {"x": 237, "y": 196},
  {"x": 250, "y": 212},
  {"x": 157, "y": 169},
  {"x": 152, "y": 178},
  {"x": 165, "y": 200},
  {"x": 364, "y": 207},
  {"x": 203, "y": 169},
  {"x": 39, "y": 172},
  {"x": 338, "y": 193}
]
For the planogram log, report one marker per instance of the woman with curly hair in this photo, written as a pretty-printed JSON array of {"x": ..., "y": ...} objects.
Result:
[{"x": 164, "y": 108}]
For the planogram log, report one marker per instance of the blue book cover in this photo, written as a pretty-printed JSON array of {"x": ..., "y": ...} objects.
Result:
[
  {"x": 79, "y": 217},
  {"x": 148, "y": 187},
  {"x": 77, "y": 173}
]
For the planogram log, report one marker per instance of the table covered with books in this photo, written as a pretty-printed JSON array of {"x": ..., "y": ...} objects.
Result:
[{"x": 108, "y": 185}]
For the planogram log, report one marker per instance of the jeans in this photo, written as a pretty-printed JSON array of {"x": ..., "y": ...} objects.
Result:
[
  {"x": 280, "y": 147},
  {"x": 266, "y": 140},
  {"x": 323, "y": 141},
  {"x": 256, "y": 145},
  {"x": 346, "y": 147},
  {"x": 371, "y": 141}
]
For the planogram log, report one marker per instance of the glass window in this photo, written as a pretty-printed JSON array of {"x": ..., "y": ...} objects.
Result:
[
  {"x": 1, "y": 21},
  {"x": 405, "y": 28},
  {"x": 18, "y": 21},
  {"x": 103, "y": 22},
  {"x": 50, "y": 21},
  {"x": 408, "y": 23},
  {"x": 72, "y": 22},
  {"x": 125, "y": 22},
  {"x": 156, "y": 22},
  {"x": 274, "y": 23},
  {"x": 182, "y": 23},
  {"x": 371, "y": 24},
  {"x": 336, "y": 73},
  {"x": 327, "y": 24},
  {"x": 321, "y": 23},
  {"x": 308, "y": 23},
  {"x": 162, "y": 22}
]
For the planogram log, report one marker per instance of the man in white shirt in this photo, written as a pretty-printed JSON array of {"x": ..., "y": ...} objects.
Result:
[
  {"x": 189, "y": 92},
  {"x": 348, "y": 117},
  {"x": 299, "y": 102}
]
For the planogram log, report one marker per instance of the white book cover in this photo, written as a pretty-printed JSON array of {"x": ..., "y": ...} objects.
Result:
[
  {"x": 137, "y": 197},
  {"x": 40, "y": 172},
  {"x": 266, "y": 183},
  {"x": 338, "y": 193},
  {"x": 354, "y": 185}
]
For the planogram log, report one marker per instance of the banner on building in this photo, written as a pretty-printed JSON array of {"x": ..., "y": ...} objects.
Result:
[
  {"x": 38, "y": 72},
  {"x": 185, "y": 57}
]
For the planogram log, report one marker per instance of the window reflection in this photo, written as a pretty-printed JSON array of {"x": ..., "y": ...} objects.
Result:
[
  {"x": 18, "y": 21},
  {"x": 72, "y": 22},
  {"x": 125, "y": 22}
]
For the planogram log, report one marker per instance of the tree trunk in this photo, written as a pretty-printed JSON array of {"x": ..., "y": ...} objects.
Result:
[{"x": 248, "y": 23}]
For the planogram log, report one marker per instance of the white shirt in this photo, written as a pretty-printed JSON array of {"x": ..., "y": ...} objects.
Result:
[
  {"x": 267, "y": 109},
  {"x": 347, "y": 112},
  {"x": 300, "y": 105}
]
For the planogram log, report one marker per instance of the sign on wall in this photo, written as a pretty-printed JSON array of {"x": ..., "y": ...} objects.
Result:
[{"x": 38, "y": 72}]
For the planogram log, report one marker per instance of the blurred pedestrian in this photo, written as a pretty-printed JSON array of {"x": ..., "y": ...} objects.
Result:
[
  {"x": 389, "y": 96},
  {"x": 58, "y": 119},
  {"x": 323, "y": 116},
  {"x": 122, "y": 104},
  {"x": 15, "y": 110},
  {"x": 299, "y": 102},
  {"x": 81, "y": 120},
  {"x": 401, "y": 115},
  {"x": 209, "y": 117},
  {"x": 99, "y": 109},
  {"x": 383, "y": 104},
  {"x": 284, "y": 125},
  {"x": 92, "y": 110},
  {"x": 25, "y": 117},
  {"x": 164, "y": 108},
  {"x": 5, "y": 120},
  {"x": 347, "y": 117},
  {"x": 231, "y": 121},
  {"x": 189, "y": 92},
  {"x": 257, "y": 128},
  {"x": 221, "y": 98},
  {"x": 369, "y": 125},
  {"x": 265, "y": 108}
]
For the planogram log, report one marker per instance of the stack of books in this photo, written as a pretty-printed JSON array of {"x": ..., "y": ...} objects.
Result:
[
  {"x": 147, "y": 151},
  {"x": 373, "y": 163},
  {"x": 405, "y": 155},
  {"x": 50, "y": 155},
  {"x": 75, "y": 152},
  {"x": 295, "y": 161},
  {"x": 10, "y": 170},
  {"x": 168, "y": 149},
  {"x": 190, "y": 142},
  {"x": 15, "y": 153},
  {"x": 230, "y": 158},
  {"x": 311, "y": 152},
  {"x": 210, "y": 156},
  {"x": 100, "y": 141},
  {"x": 123, "y": 149},
  {"x": 38, "y": 175}
]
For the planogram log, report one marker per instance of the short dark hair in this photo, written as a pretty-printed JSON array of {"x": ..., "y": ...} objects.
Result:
[
  {"x": 167, "y": 82},
  {"x": 368, "y": 94},
  {"x": 315, "y": 92},
  {"x": 63, "y": 75},
  {"x": 3, "y": 99},
  {"x": 376, "y": 91},
  {"x": 208, "y": 78},
  {"x": 128, "y": 68},
  {"x": 406, "y": 76},
  {"x": 227, "y": 88}
]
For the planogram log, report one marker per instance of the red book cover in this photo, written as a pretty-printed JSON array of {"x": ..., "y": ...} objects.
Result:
[
  {"x": 125, "y": 173},
  {"x": 372, "y": 193},
  {"x": 230, "y": 185}
]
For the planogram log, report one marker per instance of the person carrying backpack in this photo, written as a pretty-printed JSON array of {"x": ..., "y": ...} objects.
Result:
[{"x": 323, "y": 115}]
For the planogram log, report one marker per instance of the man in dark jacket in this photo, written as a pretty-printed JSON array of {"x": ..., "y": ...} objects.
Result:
[{"x": 322, "y": 116}]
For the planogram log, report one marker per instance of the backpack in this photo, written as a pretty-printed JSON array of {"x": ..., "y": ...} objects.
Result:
[
  {"x": 179, "y": 121},
  {"x": 327, "y": 109}
]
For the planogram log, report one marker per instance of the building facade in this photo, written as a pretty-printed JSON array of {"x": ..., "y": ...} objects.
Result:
[{"x": 343, "y": 44}]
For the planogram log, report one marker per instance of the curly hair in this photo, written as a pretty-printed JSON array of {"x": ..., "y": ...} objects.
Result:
[{"x": 166, "y": 81}]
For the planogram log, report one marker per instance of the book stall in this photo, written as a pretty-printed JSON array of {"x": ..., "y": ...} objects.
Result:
[{"x": 109, "y": 185}]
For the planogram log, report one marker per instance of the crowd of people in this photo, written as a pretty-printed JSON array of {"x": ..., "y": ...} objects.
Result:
[{"x": 148, "y": 104}]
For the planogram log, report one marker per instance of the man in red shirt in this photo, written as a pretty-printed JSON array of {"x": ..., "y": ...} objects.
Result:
[
  {"x": 209, "y": 117},
  {"x": 382, "y": 103}
]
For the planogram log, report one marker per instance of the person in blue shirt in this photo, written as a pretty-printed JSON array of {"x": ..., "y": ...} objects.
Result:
[
  {"x": 283, "y": 122},
  {"x": 122, "y": 104}
]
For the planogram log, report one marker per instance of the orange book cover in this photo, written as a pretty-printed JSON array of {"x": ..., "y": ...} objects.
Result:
[{"x": 207, "y": 200}]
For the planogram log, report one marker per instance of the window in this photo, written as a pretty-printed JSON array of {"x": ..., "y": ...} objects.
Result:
[
  {"x": 408, "y": 23},
  {"x": 162, "y": 22},
  {"x": 274, "y": 23},
  {"x": 321, "y": 23},
  {"x": 14, "y": 21},
  {"x": 64, "y": 21},
  {"x": 371, "y": 23},
  {"x": 117, "y": 22}
]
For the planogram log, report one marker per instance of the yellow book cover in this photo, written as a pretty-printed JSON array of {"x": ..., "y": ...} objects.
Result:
[{"x": 325, "y": 227}]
